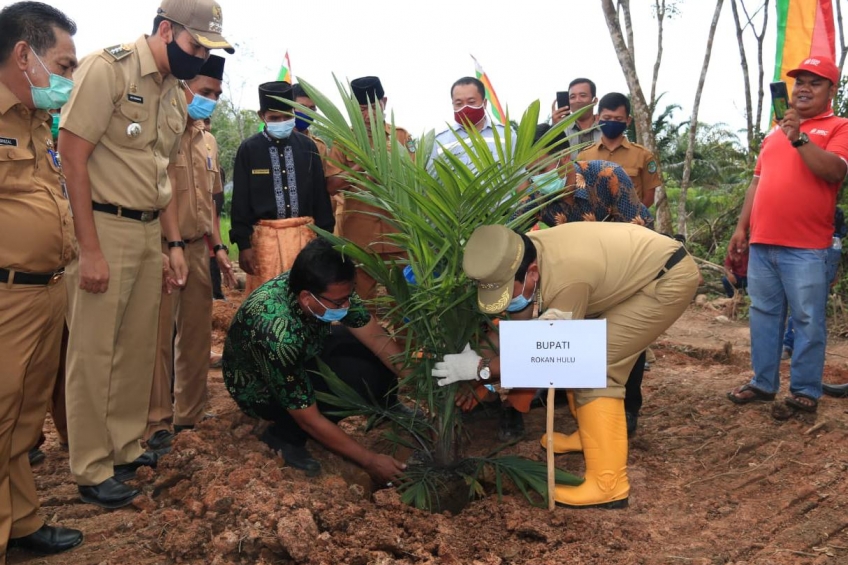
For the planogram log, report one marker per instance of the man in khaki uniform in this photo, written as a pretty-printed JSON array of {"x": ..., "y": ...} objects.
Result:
[
  {"x": 119, "y": 132},
  {"x": 37, "y": 59},
  {"x": 360, "y": 224},
  {"x": 640, "y": 164},
  {"x": 195, "y": 177},
  {"x": 639, "y": 281}
]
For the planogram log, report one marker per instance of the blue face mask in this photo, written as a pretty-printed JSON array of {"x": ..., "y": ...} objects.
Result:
[
  {"x": 330, "y": 314},
  {"x": 201, "y": 107},
  {"x": 50, "y": 97},
  {"x": 548, "y": 183},
  {"x": 520, "y": 302},
  {"x": 280, "y": 130},
  {"x": 301, "y": 121},
  {"x": 612, "y": 129}
]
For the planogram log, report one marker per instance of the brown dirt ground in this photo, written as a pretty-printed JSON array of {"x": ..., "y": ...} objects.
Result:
[{"x": 711, "y": 483}]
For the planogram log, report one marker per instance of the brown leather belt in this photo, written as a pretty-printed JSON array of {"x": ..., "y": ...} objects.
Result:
[
  {"x": 675, "y": 258},
  {"x": 40, "y": 279},
  {"x": 120, "y": 211}
]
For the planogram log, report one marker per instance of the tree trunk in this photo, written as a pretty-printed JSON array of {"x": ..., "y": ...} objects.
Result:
[
  {"x": 693, "y": 123},
  {"x": 746, "y": 78},
  {"x": 659, "y": 7},
  {"x": 641, "y": 110}
]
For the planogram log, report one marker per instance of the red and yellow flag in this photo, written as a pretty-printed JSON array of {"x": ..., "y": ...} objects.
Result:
[
  {"x": 804, "y": 28},
  {"x": 285, "y": 70},
  {"x": 494, "y": 104}
]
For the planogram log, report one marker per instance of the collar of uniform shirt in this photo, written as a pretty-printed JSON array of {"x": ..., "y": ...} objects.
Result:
[
  {"x": 147, "y": 64},
  {"x": 7, "y": 99}
]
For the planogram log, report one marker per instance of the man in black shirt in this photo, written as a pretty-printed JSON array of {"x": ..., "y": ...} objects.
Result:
[{"x": 278, "y": 190}]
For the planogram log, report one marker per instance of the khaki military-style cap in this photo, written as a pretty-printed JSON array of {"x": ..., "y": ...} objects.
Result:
[
  {"x": 202, "y": 18},
  {"x": 492, "y": 257}
]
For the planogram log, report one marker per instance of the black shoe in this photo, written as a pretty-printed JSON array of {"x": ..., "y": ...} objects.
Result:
[
  {"x": 111, "y": 493},
  {"x": 296, "y": 456},
  {"x": 632, "y": 421},
  {"x": 839, "y": 391},
  {"x": 511, "y": 424},
  {"x": 48, "y": 539},
  {"x": 127, "y": 471},
  {"x": 162, "y": 438},
  {"x": 36, "y": 456}
]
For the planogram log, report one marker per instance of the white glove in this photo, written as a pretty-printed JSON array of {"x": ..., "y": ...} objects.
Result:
[{"x": 457, "y": 367}]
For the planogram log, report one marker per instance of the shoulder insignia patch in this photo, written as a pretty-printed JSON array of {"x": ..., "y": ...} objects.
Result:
[
  {"x": 652, "y": 166},
  {"x": 118, "y": 52},
  {"x": 410, "y": 145}
]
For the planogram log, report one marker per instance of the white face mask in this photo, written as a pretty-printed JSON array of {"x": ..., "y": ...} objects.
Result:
[{"x": 280, "y": 130}]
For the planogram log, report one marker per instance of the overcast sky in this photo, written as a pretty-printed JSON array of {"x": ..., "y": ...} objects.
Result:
[{"x": 529, "y": 48}]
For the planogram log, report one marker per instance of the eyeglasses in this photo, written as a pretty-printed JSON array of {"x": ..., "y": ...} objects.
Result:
[{"x": 336, "y": 303}]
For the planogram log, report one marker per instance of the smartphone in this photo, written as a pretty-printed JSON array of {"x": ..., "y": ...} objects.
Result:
[
  {"x": 779, "y": 99},
  {"x": 562, "y": 100}
]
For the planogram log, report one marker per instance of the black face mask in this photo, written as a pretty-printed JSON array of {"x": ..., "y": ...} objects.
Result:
[{"x": 183, "y": 66}]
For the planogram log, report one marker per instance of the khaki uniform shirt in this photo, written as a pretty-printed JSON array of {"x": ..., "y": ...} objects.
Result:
[
  {"x": 639, "y": 163},
  {"x": 134, "y": 117},
  {"x": 588, "y": 267},
  {"x": 361, "y": 226},
  {"x": 195, "y": 177},
  {"x": 328, "y": 156},
  {"x": 35, "y": 221}
]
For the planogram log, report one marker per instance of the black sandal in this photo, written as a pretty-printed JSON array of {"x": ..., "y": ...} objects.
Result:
[
  {"x": 803, "y": 403},
  {"x": 747, "y": 393}
]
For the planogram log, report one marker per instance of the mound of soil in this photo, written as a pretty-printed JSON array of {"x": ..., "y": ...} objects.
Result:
[{"x": 711, "y": 483}]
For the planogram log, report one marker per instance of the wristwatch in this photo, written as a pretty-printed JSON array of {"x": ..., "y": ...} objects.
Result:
[
  {"x": 179, "y": 243},
  {"x": 219, "y": 247},
  {"x": 483, "y": 370},
  {"x": 803, "y": 139}
]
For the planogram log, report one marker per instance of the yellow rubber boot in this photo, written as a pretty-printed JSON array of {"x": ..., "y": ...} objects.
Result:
[
  {"x": 562, "y": 442},
  {"x": 603, "y": 433}
]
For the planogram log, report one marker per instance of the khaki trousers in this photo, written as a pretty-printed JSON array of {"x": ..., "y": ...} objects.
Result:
[
  {"x": 112, "y": 349},
  {"x": 635, "y": 323},
  {"x": 191, "y": 310},
  {"x": 31, "y": 320}
]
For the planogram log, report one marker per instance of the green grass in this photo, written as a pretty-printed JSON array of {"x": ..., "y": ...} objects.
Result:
[{"x": 225, "y": 237}]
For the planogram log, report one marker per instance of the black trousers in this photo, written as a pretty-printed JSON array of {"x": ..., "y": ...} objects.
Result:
[
  {"x": 215, "y": 273},
  {"x": 633, "y": 388},
  {"x": 354, "y": 364}
]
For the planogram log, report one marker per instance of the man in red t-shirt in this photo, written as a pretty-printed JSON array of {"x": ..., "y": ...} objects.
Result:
[{"x": 789, "y": 210}]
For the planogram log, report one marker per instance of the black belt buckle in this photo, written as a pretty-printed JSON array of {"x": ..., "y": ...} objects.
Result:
[{"x": 147, "y": 216}]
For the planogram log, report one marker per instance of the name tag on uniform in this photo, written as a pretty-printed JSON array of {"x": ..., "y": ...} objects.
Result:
[
  {"x": 135, "y": 98},
  {"x": 9, "y": 141},
  {"x": 261, "y": 171}
]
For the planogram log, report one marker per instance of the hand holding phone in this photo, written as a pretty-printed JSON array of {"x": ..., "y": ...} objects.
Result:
[
  {"x": 562, "y": 100},
  {"x": 779, "y": 99}
]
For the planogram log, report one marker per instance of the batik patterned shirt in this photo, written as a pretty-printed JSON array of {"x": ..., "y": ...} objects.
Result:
[{"x": 268, "y": 344}]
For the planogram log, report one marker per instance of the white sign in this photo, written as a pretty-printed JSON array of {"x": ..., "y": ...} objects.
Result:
[{"x": 553, "y": 353}]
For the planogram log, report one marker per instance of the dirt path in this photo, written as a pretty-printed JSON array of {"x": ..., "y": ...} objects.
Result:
[{"x": 711, "y": 483}]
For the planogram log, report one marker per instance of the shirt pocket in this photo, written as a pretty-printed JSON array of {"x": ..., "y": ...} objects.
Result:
[
  {"x": 179, "y": 172},
  {"x": 17, "y": 165},
  {"x": 632, "y": 172},
  {"x": 131, "y": 126}
]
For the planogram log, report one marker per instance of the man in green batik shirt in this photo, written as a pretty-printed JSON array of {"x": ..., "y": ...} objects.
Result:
[{"x": 273, "y": 344}]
